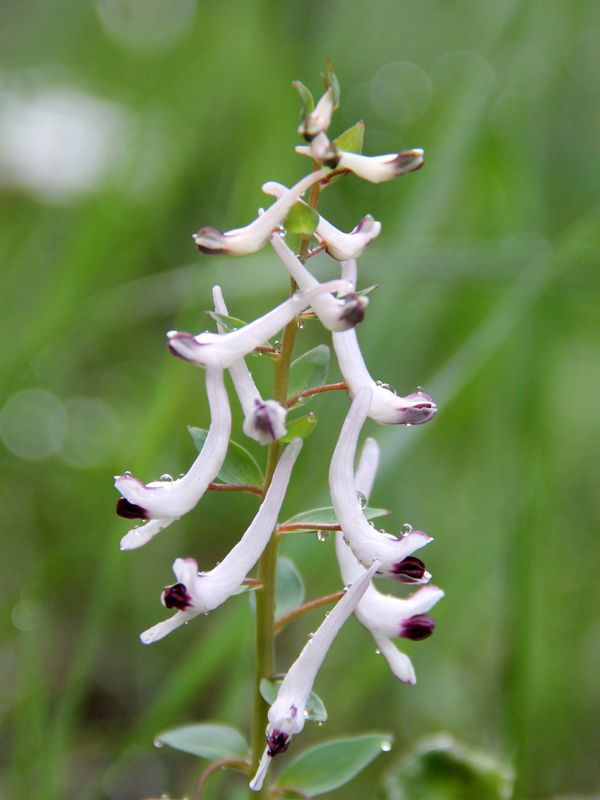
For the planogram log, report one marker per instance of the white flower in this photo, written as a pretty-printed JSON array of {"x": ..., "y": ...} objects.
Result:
[
  {"x": 319, "y": 119},
  {"x": 252, "y": 237},
  {"x": 341, "y": 246},
  {"x": 366, "y": 543},
  {"x": 375, "y": 169},
  {"x": 386, "y": 407},
  {"x": 162, "y": 502},
  {"x": 287, "y": 714},
  {"x": 336, "y": 313},
  {"x": 384, "y": 616},
  {"x": 222, "y": 350},
  {"x": 264, "y": 419},
  {"x": 198, "y": 593}
]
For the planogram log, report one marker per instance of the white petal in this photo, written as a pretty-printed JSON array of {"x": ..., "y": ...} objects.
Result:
[
  {"x": 399, "y": 662},
  {"x": 366, "y": 543},
  {"x": 165, "y": 501},
  {"x": 335, "y": 314},
  {"x": 319, "y": 119},
  {"x": 349, "y": 271},
  {"x": 377, "y": 169},
  {"x": 162, "y": 629},
  {"x": 252, "y": 237},
  {"x": 257, "y": 781},
  {"x": 142, "y": 535},
  {"x": 341, "y": 246},
  {"x": 366, "y": 472},
  {"x": 386, "y": 407},
  {"x": 212, "y": 349}
]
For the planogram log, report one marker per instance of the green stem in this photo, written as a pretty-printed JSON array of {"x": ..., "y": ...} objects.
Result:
[{"x": 265, "y": 599}]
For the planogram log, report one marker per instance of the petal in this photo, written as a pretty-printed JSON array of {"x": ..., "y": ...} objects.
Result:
[
  {"x": 165, "y": 501},
  {"x": 266, "y": 423},
  {"x": 366, "y": 472},
  {"x": 254, "y": 236},
  {"x": 336, "y": 314},
  {"x": 224, "y": 350},
  {"x": 162, "y": 629},
  {"x": 318, "y": 120},
  {"x": 366, "y": 543},
  {"x": 377, "y": 169},
  {"x": 399, "y": 662}
]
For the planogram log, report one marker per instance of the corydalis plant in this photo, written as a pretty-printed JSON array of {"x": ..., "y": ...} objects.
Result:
[{"x": 296, "y": 232}]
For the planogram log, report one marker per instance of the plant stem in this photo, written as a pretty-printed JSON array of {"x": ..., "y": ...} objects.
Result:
[
  {"x": 328, "y": 387},
  {"x": 265, "y": 599}
]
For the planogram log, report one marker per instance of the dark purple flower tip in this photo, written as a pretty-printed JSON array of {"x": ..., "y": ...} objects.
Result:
[
  {"x": 408, "y": 161},
  {"x": 278, "y": 742},
  {"x": 420, "y": 408},
  {"x": 418, "y": 627},
  {"x": 263, "y": 420},
  {"x": 176, "y": 596},
  {"x": 178, "y": 342},
  {"x": 130, "y": 510},
  {"x": 354, "y": 309},
  {"x": 210, "y": 241},
  {"x": 409, "y": 570}
]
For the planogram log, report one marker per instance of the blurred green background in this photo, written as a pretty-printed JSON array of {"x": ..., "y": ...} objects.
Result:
[{"x": 127, "y": 124}]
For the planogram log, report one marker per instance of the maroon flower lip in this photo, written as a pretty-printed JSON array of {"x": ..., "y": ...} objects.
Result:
[
  {"x": 130, "y": 510},
  {"x": 278, "y": 742},
  {"x": 418, "y": 627},
  {"x": 409, "y": 570},
  {"x": 177, "y": 596}
]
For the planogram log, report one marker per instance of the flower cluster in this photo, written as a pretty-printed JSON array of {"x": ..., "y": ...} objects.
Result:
[{"x": 363, "y": 553}]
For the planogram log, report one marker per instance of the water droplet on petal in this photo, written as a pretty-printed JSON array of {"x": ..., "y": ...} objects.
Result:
[
  {"x": 322, "y": 536},
  {"x": 127, "y": 474},
  {"x": 377, "y": 652},
  {"x": 166, "y": 478},
  {"x": 406, "y": 529},
  {"x": 386, "y": 746},
  {"x": 158, "y": 743},
  {"x": 361, "y": 499},
  {"x": 310, "y": 635},
  {"x": 300, "y": 324},
  {"x": 321, "y": 722}
]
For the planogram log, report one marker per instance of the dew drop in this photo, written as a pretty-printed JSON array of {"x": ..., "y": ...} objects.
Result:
[
  {"x": 377, "y": 652},
  {"x": 306, "y": 714},
  {"x": 322, "y": 536},
  {"x": 300, "y": 324},
  {"x": 166, "y": 478},
  {"x": 361, "y": 499},
  {"x": 158, "y": 743},
  {"x": 310, "y": 635},
  {"x": 407, "y": 528},
  {"x": 320, "y": 723},
  {"x": 127, "y": 474},
  {"x": 386, "y": 746},
  {"x": 276, "y": 343}
]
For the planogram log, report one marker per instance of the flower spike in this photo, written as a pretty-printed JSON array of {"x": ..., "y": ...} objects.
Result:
[
  {"x": 198, "y": 593},
  {"x": 222, "y": 350},
  {"x": 243, "y": 241},
  {"x": 336, "y": 314},
  {"x": 341, "y": 246},
  {"x": 386, "y": 407},
  {"x": 162, "y": 502},
  {"x": 318, "y": 120},
  {"x": 366, "y": 543},
  {"x": 264, "y": 419},
  {"x": 286, "y": 715},
  {"x": 375, "y": 169}
]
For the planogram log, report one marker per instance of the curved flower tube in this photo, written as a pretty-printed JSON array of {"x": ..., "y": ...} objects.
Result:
[
  {"x": 198, "y": 593},
  {"x": 264, "y": 419},
  {"x": 336, "y": 314},
  {"x": 286, "y": 715},
  {"x": 366, "y": 543},
  {"x": 341, "y": 246},
  {"x": 386, "y": 407},
  {"x": 319, "y": 119},
  {"x": 243, "y": 241},
  {"x": 222, "y": 350},
  {"x": 162, "y": 502},
  {"x": 375, "y": 169}
]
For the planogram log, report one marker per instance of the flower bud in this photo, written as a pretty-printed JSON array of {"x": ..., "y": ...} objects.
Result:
[
  {"x": 267, "y": 422},
  {"x": 417, "y": 627}
]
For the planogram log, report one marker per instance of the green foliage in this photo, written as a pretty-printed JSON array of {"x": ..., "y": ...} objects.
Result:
[
  {"x": 330, "y": 80},
  {"x": 301, "y": 427},
  {"x": 310, "y": 369},
  {"x": 228, "y": 323},
  {"x": 289, "y": 590},
  {"x": 332, "y": 764},
  {"x": 315, "y": 708},
  {"x": 239, "y": 465},
  {"x": 442, "y": 769},
  {"x": 306, "y": 98},
  {"x": 352, "y": 139},
  {"x": 326, "y": 516},
  {"x": 302, "y": 219},
  {"x": 207, "y": 740}
]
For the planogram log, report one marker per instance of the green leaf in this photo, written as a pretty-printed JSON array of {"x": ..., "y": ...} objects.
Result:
[
  {"x": 332, "y": 764},
  {"x": 239, "y": 466},
  {"x": 368, "y": 290},
  {"x": 351, "y": 140},
  {"x": 311, "y": 369},
  {"x": 300, "y": 428},
  {"x": 301, "y": 219},
  {"x": 228, "y": 323},
  {"x": 206, "y": 740},
  {"x": 329, "y": 78},
  {"x": 315, "y": 708},
  {"x": 289, "y": 588},
  {"x": 440, "y": 768},
  {"x": 326, "y": 516},
  {"x": 306, "y": 98}
]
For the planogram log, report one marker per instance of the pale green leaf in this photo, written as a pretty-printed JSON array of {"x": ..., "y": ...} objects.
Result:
[
  {"x": 310, "y": 369},
  {"x": 306, "y": 98},
  {"x": 300, "y": 428},
  {"x": 352, "y": 139},
  {"x": 228, "y": 323},
  {"x": 207, "y": 740},
  {"x": 326, "y": 516},
  {"x": 289, "y": 587},
  {"x": 301, "y": 219},
  {"x": 239, "y": 465}
]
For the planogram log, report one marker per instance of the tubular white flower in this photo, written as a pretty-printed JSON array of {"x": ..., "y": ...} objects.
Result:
[
  {"x": 198, "y": 593},
  {"x": 387, "y": 617},
  {"x": 341, "y": 246},
  {"x": 242, "y": 241},
  {"x": 386, "y": 407},
  {"x": 375, "y": 169},
  {"x": 319, "y": 119},
  {"x": 163, "y": 501},
  {"x": 287, "y": 714},
  {"x": 222, "y": 350},
  {"x": 264, "y": 419},
  {"x": 336, "y": 314},
  {"x": 366, "y": 543}
]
